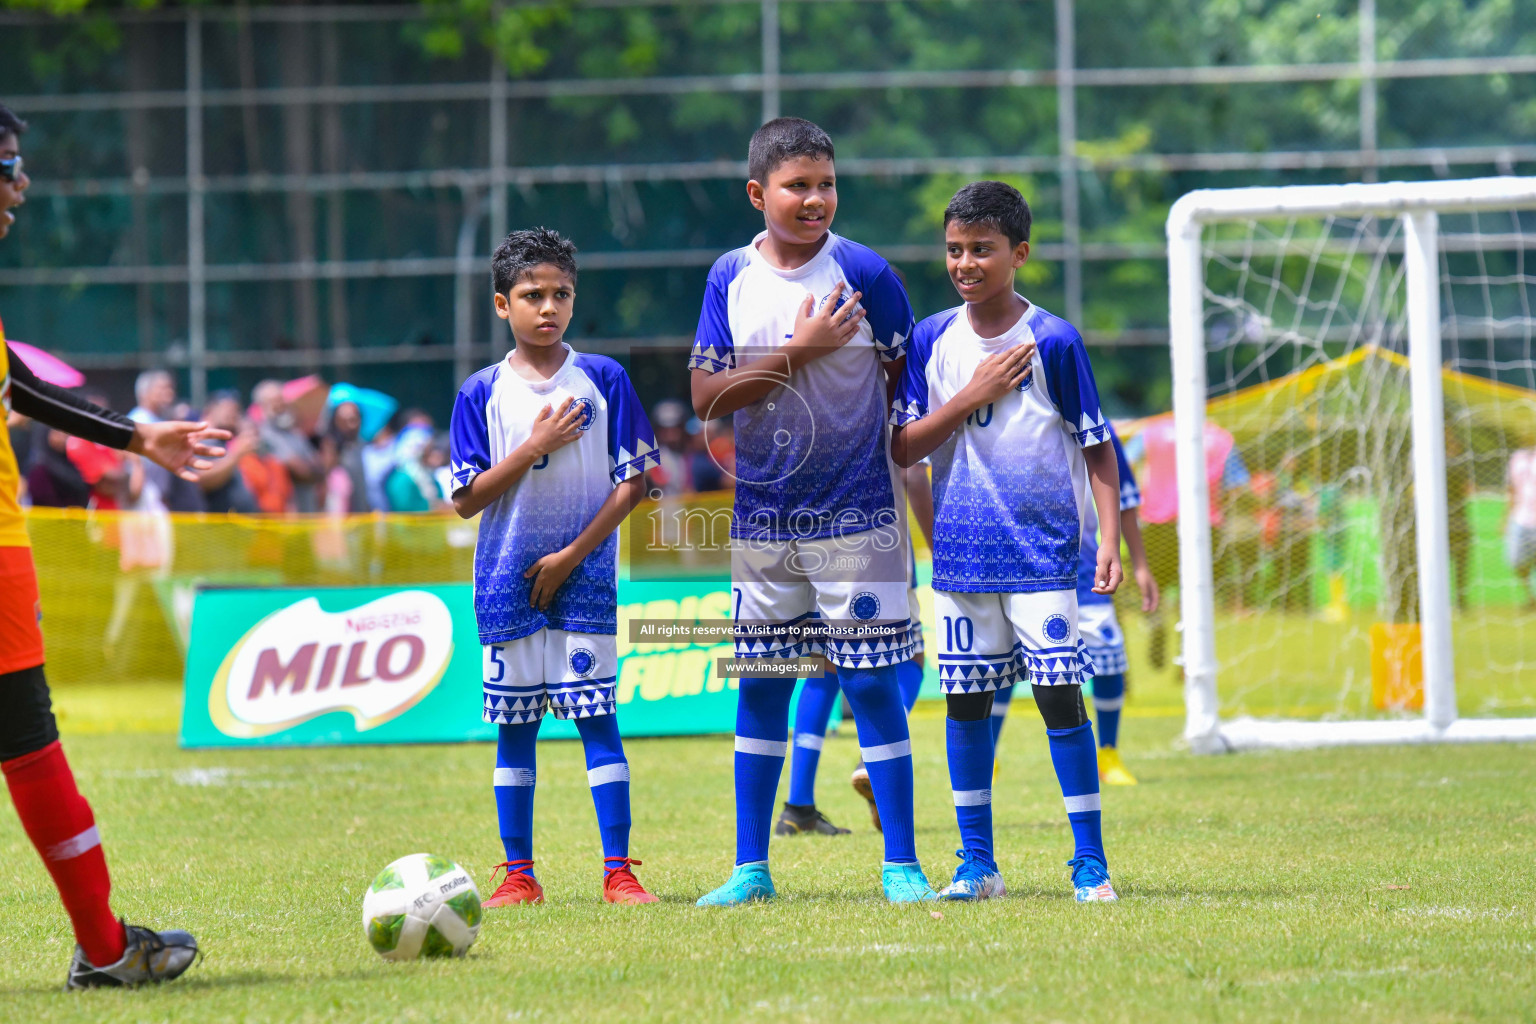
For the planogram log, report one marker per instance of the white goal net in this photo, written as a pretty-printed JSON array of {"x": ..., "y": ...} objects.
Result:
[{"x": 1355, "y": 435}]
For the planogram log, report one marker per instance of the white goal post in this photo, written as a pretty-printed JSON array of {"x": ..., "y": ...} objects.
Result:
[{"x": 1412, "y": 211}]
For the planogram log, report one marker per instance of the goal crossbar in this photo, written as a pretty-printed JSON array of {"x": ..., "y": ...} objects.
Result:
[{"x": 1418, "y": 204}]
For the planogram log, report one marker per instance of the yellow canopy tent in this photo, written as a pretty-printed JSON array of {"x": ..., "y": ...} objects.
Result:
[{"x": 1364, "y": 392}]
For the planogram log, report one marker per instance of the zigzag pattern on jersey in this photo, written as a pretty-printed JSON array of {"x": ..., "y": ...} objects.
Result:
[
  {"x": 895, "y": 349},
  {"x": 978, "y": 673},
  {"x": 1059, "y": 666},
  {"x": 901, "y": 415},
  {"x": 710, "y": 358},
  {"x": 646, "y": 457},
  {"x": 1092, "y": 430},
  {"x": 872, "y": 651},
  {"x": 1108, "y": 661},
  {"x": 583, "y": 700}
]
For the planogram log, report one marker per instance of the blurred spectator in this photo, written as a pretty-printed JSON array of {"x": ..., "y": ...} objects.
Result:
[
  {"x": 224, "y": 486},
  {"x": 442, "y": 473},
  {"x": 53, "y": 480},
  {"x": 1459, "y": 488},
  {"x": 283, "y": 441},
  {"x": 410, "y": 487},
  {"x": 101, "y": 467},
  {"x": 674, "y": 473},
  {"x": 155, "y": 392},
  {"x": 341, "y": 453},
  {"x": 1520, "y": 520},
  {"x": 21, "y": 430},
  {"x": 378, "y": 458}
]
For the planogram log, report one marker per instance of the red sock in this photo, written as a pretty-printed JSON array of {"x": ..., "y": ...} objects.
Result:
[{"x": 60, "y": 825}]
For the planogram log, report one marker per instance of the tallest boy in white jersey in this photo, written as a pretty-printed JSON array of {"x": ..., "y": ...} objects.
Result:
[{"x": 800, "y": 333}]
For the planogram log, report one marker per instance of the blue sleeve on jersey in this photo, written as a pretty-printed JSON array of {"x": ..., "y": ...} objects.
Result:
[
  {"x": 1130, "y": 493},
  {"x": 713, "y": 348},
  {"x": 884, "y": 298},
  {"x": 911, "y": 401},
  {"x": 469, "y": 441},
  {"x": 631, "y": 441},
  {"x": 1069, "y": 380}
]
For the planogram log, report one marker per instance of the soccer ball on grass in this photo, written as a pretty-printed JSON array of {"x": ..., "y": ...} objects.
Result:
[{"x": 420, "y": 906}]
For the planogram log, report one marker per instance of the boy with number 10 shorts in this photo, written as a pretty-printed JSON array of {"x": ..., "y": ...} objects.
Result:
[
  {"x": 799, "y": 334},
  {"x": 1002, "y": 396},
  {"x": 552, "y": 446}
]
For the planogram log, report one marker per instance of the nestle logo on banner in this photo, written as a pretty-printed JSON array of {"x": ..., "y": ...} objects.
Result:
[{"x": 376, "y": 661}]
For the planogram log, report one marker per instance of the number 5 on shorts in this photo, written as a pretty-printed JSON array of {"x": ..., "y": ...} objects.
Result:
[{"x": 493, "y": 657}]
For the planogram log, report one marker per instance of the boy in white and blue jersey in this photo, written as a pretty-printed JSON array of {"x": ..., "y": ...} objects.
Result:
[
  {"x": 550, "y": 446},
  {"x": 1001, "y": 395},
  {"x": 800, "y": 332},
  {"x": 1102, "y": 635}
]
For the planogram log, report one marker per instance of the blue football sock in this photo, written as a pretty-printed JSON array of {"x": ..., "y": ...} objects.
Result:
[
  {"x": 1077, "y": 769},
  {"x": 887, "y": 748},
  {"x": 1108, "y": 699},
  {"x": 969, "y": 745},
  {"x": 811, "y": 714},
  {"x": 909, "y": 677},
  {"x": 516, "y": 771},
  {"x": 1000, "y": 701},
  {"x": 762, "y": 722},
  {"x": 608, "y": 775}
]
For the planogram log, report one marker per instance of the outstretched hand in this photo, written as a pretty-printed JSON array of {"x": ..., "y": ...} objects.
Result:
[{"x": 180, "y": 446}]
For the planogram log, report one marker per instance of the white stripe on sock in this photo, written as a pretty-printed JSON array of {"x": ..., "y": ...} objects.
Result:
[
  {"x": 1079, "y": 804},
  {"x": 972, "y": 797},
  {"x": 74, "y": 846},
  {"x": 606, "y": 773},
  {"x": 763, "y": 748},
  {"x": 1108, "y": 703},
  {"x": 809, "y": 740},
  {"x": 887, "y": 751},
  {"x": 1000, "y": 708},
  {"x": 512, "y": 777}
]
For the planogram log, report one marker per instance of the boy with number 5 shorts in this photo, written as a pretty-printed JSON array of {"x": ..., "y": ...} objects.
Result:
[
  {"x": 552, "y": 446},
  {"x": 1001, "y": 394}
]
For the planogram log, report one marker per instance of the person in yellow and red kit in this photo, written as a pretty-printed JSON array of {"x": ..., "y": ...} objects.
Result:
[{"x": 109, "y": 952}]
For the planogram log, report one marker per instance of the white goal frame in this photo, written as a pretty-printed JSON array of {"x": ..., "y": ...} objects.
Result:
[{"x": 1418, "y": 204}]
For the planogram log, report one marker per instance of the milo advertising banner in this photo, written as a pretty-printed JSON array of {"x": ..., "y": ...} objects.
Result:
[{"x": 276, "y": 666}]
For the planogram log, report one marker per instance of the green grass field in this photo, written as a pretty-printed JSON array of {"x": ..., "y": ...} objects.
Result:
[{"x": 1387, "y": 884}]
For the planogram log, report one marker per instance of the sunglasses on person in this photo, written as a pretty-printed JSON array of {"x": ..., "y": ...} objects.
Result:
[{"x": 10, "y": 169}]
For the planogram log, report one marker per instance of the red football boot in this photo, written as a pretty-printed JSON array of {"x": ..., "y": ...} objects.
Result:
[
  {"x": 518, "y": 887},
  {"x": 620, "y": 884}
]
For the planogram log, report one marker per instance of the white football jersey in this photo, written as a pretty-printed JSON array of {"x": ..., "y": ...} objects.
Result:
[
  {"x": 1010, "y": 487},
  {"x": 811, "y": 457},
  {"x": 554, "y": 501}
]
